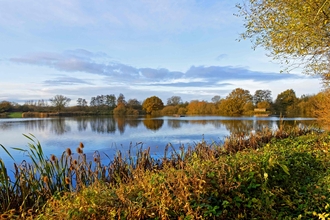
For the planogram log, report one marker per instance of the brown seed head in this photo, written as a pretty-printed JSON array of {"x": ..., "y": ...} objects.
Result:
[
  {"x": 30, "y": 211},
  {"x": 79, "y": 150},
  {"x": 75, "y": 162},
  {"x": 68, "y": 152},
  {"x": 96, "y": 159},
  {"x": 45, "y": 179},
  {"x": 53, "y": 157},
  {"x": 81, "y": 145},
  {"x": 67, "y": 180}
]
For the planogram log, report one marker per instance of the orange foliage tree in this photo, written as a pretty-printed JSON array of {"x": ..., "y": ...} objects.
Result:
[{"x": 322, "y": 105}]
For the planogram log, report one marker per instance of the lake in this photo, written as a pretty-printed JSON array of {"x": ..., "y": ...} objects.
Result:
[{"x": 111, "y": 134}]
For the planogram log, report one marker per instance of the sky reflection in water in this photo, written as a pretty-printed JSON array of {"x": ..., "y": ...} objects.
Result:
[{"x": 110, "y": 134}]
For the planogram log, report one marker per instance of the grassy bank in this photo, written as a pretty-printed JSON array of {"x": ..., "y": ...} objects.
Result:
[
  {"x": 276, "y": 175},
  {"x": 15, "y": 115}
]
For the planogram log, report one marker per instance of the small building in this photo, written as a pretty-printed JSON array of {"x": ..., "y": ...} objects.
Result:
[{"x": 261, "y": 112}]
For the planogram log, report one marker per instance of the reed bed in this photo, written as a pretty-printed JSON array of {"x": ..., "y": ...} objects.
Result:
[
  {"x": 55, "y": 114},
  {"x": 185, "y": 183}
]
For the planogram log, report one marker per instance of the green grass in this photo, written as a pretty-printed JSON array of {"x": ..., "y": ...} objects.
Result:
[
  {"x": 283, "y": 174},
  {"x": 15, "y": 115}
]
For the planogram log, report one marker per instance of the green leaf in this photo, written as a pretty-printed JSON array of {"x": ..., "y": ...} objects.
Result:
[
  {"x": 284, "y": 168},
  {"x": 7, "y": 152}
]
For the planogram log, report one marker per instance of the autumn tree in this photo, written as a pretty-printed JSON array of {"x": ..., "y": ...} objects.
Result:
[
  {"x": 306, "y": 106},
  {"x": 5, "y": 106},
  {"x": 196, "y": 107},
  {"x": 121, "y": 99},
  {"x": 322, "y": 105},
  {"x": 262, "y": 96},
  {"x": 133, "y": 107},
  {"x": 121, "y": 105},
  {"x": 120, "y": 109},
  {"x": 60, "y": 102},
  {"x": 170, "y": 110},
  {"x": 152, "y": 104},
  {"x": 294, "y": 32},
  {"x": 286, "y": 103},
  {"x": 238, "y": 102}
]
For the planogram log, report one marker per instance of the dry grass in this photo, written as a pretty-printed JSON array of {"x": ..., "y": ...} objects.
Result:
[{"x": 198, "y": 182}]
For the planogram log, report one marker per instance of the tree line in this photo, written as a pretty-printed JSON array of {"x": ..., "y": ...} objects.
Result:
[{"x": 237, "y": 103}]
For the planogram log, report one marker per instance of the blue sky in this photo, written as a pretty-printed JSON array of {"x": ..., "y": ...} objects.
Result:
[{"x": 141, "y": 48}]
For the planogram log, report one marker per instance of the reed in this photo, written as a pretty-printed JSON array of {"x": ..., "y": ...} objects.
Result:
[{"x": 45, "y": 178}]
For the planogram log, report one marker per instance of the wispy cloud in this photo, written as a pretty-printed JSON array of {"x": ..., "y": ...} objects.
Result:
[
  {"x": 65, "y": 80},
  {"x": 101, "y": 64},
  {"x": 221, "y": 57},
  {"x": 162, "y": 47}
]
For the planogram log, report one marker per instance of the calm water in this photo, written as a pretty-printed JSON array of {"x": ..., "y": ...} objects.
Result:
[{"x": 110, "y": 134}]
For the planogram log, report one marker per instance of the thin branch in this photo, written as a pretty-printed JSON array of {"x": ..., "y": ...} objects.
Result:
[{"x": 318, "y": 12}]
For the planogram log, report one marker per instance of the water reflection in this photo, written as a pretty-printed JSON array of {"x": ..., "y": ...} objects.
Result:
[
  {"x": 108, "y": 134},
  {"x": 82, "y": 124},
  {"x": 153, "y": 124},
  {"x": 102, "y": 125},
  {"x": 111, "y": 125},
  {"x": 36, "y": 125},
  {"x": 133, "y": 122},
  {"x": 238, "y": 127},
  {"x": 60, "y": 126},
  {"x": 176, "y": 123}
]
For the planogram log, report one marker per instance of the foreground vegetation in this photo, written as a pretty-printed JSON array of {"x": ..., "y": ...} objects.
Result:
[{"x": 281, "y": 174}]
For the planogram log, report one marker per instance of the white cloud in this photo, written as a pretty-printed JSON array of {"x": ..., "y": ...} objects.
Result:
[{"x": 155, "y": 47}]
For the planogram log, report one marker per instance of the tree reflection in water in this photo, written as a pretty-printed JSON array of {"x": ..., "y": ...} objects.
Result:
[
  {"x": 176, "y": 123},
  {"x": 153, "y": 124},
  {"x": 38, "y": 125},
  {"x": 120, "y": 124},
  {"x": 133, "y": 121},
  {"x": 238, "y": 126},
  {"x": 82, "y": 123},
  {"x": 103, "y": 124},
  {"x": 59, "y": 126}
]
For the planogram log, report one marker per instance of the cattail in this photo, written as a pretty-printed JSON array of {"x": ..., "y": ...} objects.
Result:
[
  {"x": 79, "y": 150},
  {"x": 81, "y": 145},
  {"x": 67, "y": 180},
  {"x": 45, "y": 179},
  {"x": 68, "y": 152},
  {"x": 53, "y": 158}
]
